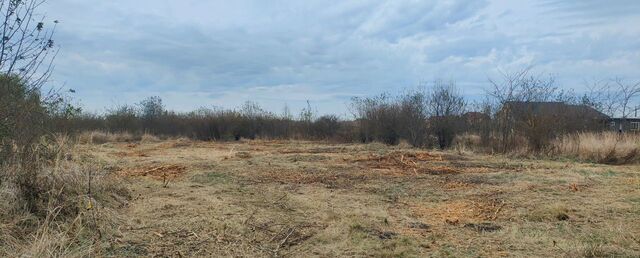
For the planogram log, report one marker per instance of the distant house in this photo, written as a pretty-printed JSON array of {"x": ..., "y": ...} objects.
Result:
[
  {"x": 625, "y": 124},
  {"x": 573, "y": 117},
  {"x": 474, "y": 121},
  {"x": 475, "y": 117}
]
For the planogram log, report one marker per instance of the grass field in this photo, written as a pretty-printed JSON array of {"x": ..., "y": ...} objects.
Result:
[{"x": 294, "y": 198}]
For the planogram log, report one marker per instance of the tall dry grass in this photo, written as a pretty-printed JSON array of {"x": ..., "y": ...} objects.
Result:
[
  {"x": 466, "y": 142},
  {"x": 66, "y": 210},
  {"x": 603, "y": 147},
  {"x": 518, "y": 145},
  {"x": 100, "y": 137}
]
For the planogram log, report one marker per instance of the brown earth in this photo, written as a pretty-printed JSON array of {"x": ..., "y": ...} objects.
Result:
[{"x": 296, "y": 198}]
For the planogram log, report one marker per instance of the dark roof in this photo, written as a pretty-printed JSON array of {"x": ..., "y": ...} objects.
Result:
[
  {"x": 475, "y": 115},
  {"x": 554, "y": 108},
  {"x": 630, "y": 119}
]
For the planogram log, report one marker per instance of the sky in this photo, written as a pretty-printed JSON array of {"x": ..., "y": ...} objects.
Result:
[{"x": 204, "y": 53}]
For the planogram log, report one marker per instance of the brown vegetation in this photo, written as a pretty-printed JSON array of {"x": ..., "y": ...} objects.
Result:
[
  {"x": 66, "y": 208},
  {"x": 523, "y": 114},
  {"x": 292, "y": 198},
  {"x": 606, "y": 147},
  {"x": 145, "y": 181}
]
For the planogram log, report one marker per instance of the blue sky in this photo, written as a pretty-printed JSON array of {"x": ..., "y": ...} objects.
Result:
[{"x": 196, "y": 53}]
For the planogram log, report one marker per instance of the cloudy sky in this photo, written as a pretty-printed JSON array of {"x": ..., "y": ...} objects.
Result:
[{"x": 195, "y": 53}]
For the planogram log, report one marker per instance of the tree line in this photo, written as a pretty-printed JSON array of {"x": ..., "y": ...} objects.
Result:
[{"x": 518, "y": 108}]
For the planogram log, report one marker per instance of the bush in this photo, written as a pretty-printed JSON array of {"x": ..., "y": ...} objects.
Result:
[
  {"x": 382, "y": 119},
  {"x": 22, "y": 116},
  {"x": 446, "y": 106},
  {"x": 249, "y": 122},
  {"x": 413, "y": 117},
  {"x": 325, "y": 127}
]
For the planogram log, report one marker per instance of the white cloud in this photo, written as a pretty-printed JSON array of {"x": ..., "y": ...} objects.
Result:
[{"x": 203, "y": 53}]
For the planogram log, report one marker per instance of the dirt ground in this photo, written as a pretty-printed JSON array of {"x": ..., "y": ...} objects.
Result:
[{"x": 300, "y": 199}]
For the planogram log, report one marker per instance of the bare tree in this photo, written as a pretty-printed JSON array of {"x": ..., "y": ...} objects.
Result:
[
  {"x": 518, "y": 96},
  {"x": 445, "y": 105},
  {"x": 628, "y": 94},
  {"x": 614, "y": 97},
  {"x": 413, "y": 117},
  {"x": 523, "y": 86},
  {"x": 307, "y": 114},
  {"x": 286, "y": 113},
  {"x": 27, "y": 48},
  {"x": 151, "y": 108}
]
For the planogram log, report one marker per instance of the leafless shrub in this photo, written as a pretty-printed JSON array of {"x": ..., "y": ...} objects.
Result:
[
  {"x": 413, "y": 116},
  {"x": 249, "y": 121},
  {"x": 531, "y": 106},
  {"x": 445, "y": 106},
  {"x": 378, "y": 118},
  {"x": 325, "y": 127},
  {"x": 614, "y": 97},
  {"x": 121, "y": 119},
  {"x": 390, "y": 119}
]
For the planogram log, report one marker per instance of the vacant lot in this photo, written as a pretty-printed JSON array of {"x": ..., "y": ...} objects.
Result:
[{"x": 292, "y": 198}]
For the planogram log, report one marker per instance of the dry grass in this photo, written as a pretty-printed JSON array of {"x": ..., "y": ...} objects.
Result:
[
  {"x": 166, "y": 172},
  {"x": 100, "y": 137},
  {"x": 606, "y": 147},
  {"x": 467, "y": 142},
  {"x": 518, "y": 146},
  {"x": 149, "y": 138},
  {"x": 73, "y": 209},
  {"x": 602, "y": 147},
  {"x": 296, "y": 198}
]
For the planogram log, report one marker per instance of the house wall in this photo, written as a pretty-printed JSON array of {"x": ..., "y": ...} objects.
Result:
[{"x": 626, "y": 125}]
